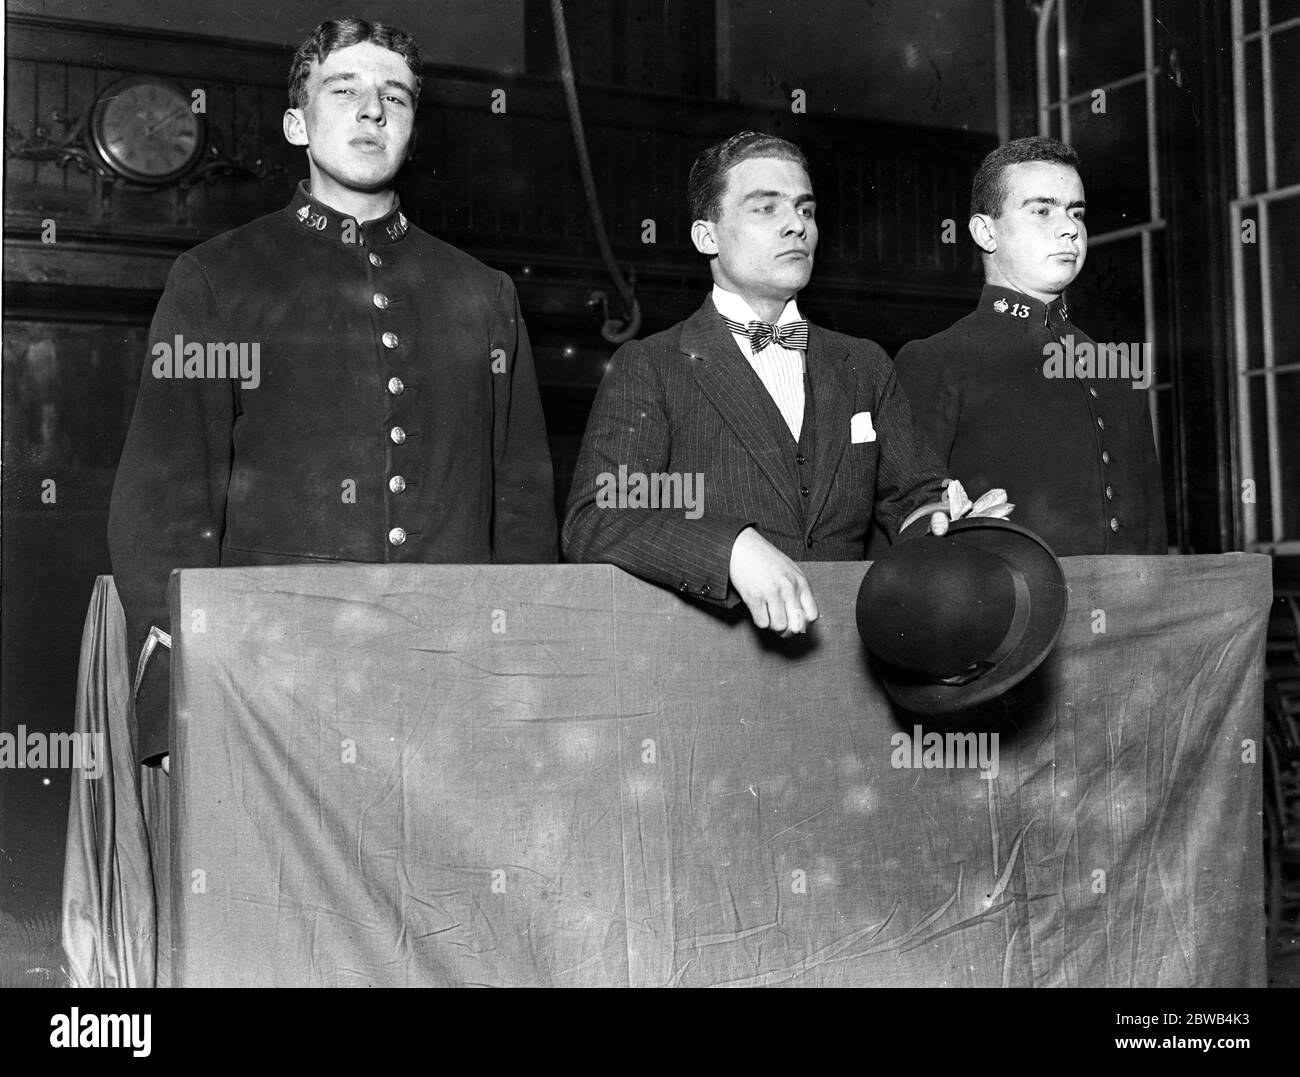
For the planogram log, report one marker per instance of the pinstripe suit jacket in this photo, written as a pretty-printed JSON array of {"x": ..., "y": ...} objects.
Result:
[{"x": 687, "y": 402}]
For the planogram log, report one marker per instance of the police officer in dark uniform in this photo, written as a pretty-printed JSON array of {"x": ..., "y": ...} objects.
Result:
[
  {"x": 328, "y": 383},
  {"x": 997, "y": 395}
]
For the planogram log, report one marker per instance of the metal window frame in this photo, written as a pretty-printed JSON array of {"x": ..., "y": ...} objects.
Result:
[
  {"x": 1261, "y": 200},
  {"x": 1046, "y": 105}
]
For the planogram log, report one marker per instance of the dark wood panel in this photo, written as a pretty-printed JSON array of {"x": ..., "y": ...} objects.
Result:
[
  {"x": 1195, "y": 121},
  {"x": 662, "y": 46}
]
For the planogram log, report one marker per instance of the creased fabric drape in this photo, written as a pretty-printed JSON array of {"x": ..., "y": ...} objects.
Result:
[
  {"x": 116, "y": 859},
  {"x": 447, "y": 775}
]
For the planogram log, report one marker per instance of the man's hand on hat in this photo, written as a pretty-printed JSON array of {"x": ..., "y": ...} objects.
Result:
[
  {"x": 994, "y": 504},
  {"x": 776, "y": 592}
]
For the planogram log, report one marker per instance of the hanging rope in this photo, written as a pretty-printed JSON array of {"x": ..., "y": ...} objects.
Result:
[{"x": 614, "y": 331}]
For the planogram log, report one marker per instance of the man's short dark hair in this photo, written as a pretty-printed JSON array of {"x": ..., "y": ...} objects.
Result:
[
  {"x": 708, "y": 182},
  {"x": 989, "y": 192},
  {"x": 338, "y": 34}
]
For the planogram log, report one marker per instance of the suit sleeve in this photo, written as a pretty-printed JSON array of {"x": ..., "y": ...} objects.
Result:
[
  {"x": 169, "y": 496},
  {"x": 908, "y": 474},
  {"x": 629, "y": 427},
  {"x": 523, "y": 517},
  {"x": 934, "y": 400}
]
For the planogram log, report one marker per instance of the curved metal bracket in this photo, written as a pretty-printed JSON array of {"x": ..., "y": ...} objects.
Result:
[{"x": 614, "y": 330}]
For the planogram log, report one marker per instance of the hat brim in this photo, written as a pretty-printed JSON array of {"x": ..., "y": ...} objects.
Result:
[{"x": 1048, "y": 599}]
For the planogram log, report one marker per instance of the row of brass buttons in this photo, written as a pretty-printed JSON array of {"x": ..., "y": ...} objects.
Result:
[
  {"x": 1105, "y": 459},
  {"x": 396, "y": 535}
]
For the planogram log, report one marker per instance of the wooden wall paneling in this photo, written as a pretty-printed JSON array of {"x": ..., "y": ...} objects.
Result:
[
  {"x": 51, "y": 100},
  {"x": 81, "y": 86},
  {"x": 544, "y": 183},
  {"x": 20, "y": 92}
]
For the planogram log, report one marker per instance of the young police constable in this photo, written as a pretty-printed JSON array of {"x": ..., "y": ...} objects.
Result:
[
  {"x": 1077, "y": 451},
  {"x": 395, "y": 416}
]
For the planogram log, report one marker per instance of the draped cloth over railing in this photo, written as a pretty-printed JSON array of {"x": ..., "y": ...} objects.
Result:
[
  {"x": 560, "y": 775},
  {"x": 112, "y": 934}
]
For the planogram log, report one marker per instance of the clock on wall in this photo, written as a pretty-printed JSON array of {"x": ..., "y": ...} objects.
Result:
[{"x": 145, "y": 130}]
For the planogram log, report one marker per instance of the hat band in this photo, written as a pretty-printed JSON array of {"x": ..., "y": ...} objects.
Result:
[{"x": 1010, "y": 641}]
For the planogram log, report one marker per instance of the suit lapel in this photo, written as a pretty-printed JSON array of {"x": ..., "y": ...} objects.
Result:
[
  {"x": 726, "y": 378},
  {"x": 832, "y": 390}
]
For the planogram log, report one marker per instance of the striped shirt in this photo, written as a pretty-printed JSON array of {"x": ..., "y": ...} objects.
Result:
[{"x": 780, "y": 369}]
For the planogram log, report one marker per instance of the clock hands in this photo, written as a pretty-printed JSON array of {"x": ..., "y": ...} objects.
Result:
[{"x": 174, "y": 114}]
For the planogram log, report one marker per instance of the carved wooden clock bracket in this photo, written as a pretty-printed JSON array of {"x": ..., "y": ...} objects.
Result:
[{"x": 141, "y": 133}]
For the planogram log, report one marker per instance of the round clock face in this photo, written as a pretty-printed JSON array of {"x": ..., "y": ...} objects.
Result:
[{"x": 145, "y": 130}]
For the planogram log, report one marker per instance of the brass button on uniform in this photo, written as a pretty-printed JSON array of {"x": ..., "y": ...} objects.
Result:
[
  {"x": 1105, "y": 456},
  {"x": 1114, "y": 524},
  {"x": 705, "y": 589},
  {"x": 1093, "y": 392},
  {"x": 380, "y": 300},
  {"x": 684, "y": 587},
  {"x": 396, "y": 386},
  {"x": 1101, "y": 423},
  {"x": 390, "y": 340},
  {"x": 397, "y": 434},
  {"x": 397, "y": 484},
  {"x": 397, "y": 536},
  {"x": 1110, "y": 493},
  {"x": 375, "y": 260}
]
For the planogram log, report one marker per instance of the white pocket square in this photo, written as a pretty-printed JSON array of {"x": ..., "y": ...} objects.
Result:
[{"x": 860, "y": 428}]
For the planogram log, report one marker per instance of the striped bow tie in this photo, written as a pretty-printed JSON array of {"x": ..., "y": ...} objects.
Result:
[{"x": 761, "y": 334}]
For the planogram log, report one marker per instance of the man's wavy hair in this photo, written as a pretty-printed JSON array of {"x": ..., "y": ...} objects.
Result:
[
  {"x": 989, "y": 191},
  {"x": 338, "y": 34},
  {"x": 708, "y": 182}
]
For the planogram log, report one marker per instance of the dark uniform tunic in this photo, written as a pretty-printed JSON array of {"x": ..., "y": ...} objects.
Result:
[
  {"x": 395, "y": 417},
  {"x": 1075, "y": 455}
]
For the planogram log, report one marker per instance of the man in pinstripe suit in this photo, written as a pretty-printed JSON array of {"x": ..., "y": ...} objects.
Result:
[{"x": 720, "y": 450}]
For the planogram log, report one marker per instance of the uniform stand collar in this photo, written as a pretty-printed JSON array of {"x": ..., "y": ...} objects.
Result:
[
  {"x": 1009, "y": 303},
  {"x": 315, "y": 217}
]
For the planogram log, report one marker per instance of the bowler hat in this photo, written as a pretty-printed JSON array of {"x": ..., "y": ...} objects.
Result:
[{"x": 953, "y": 621}]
